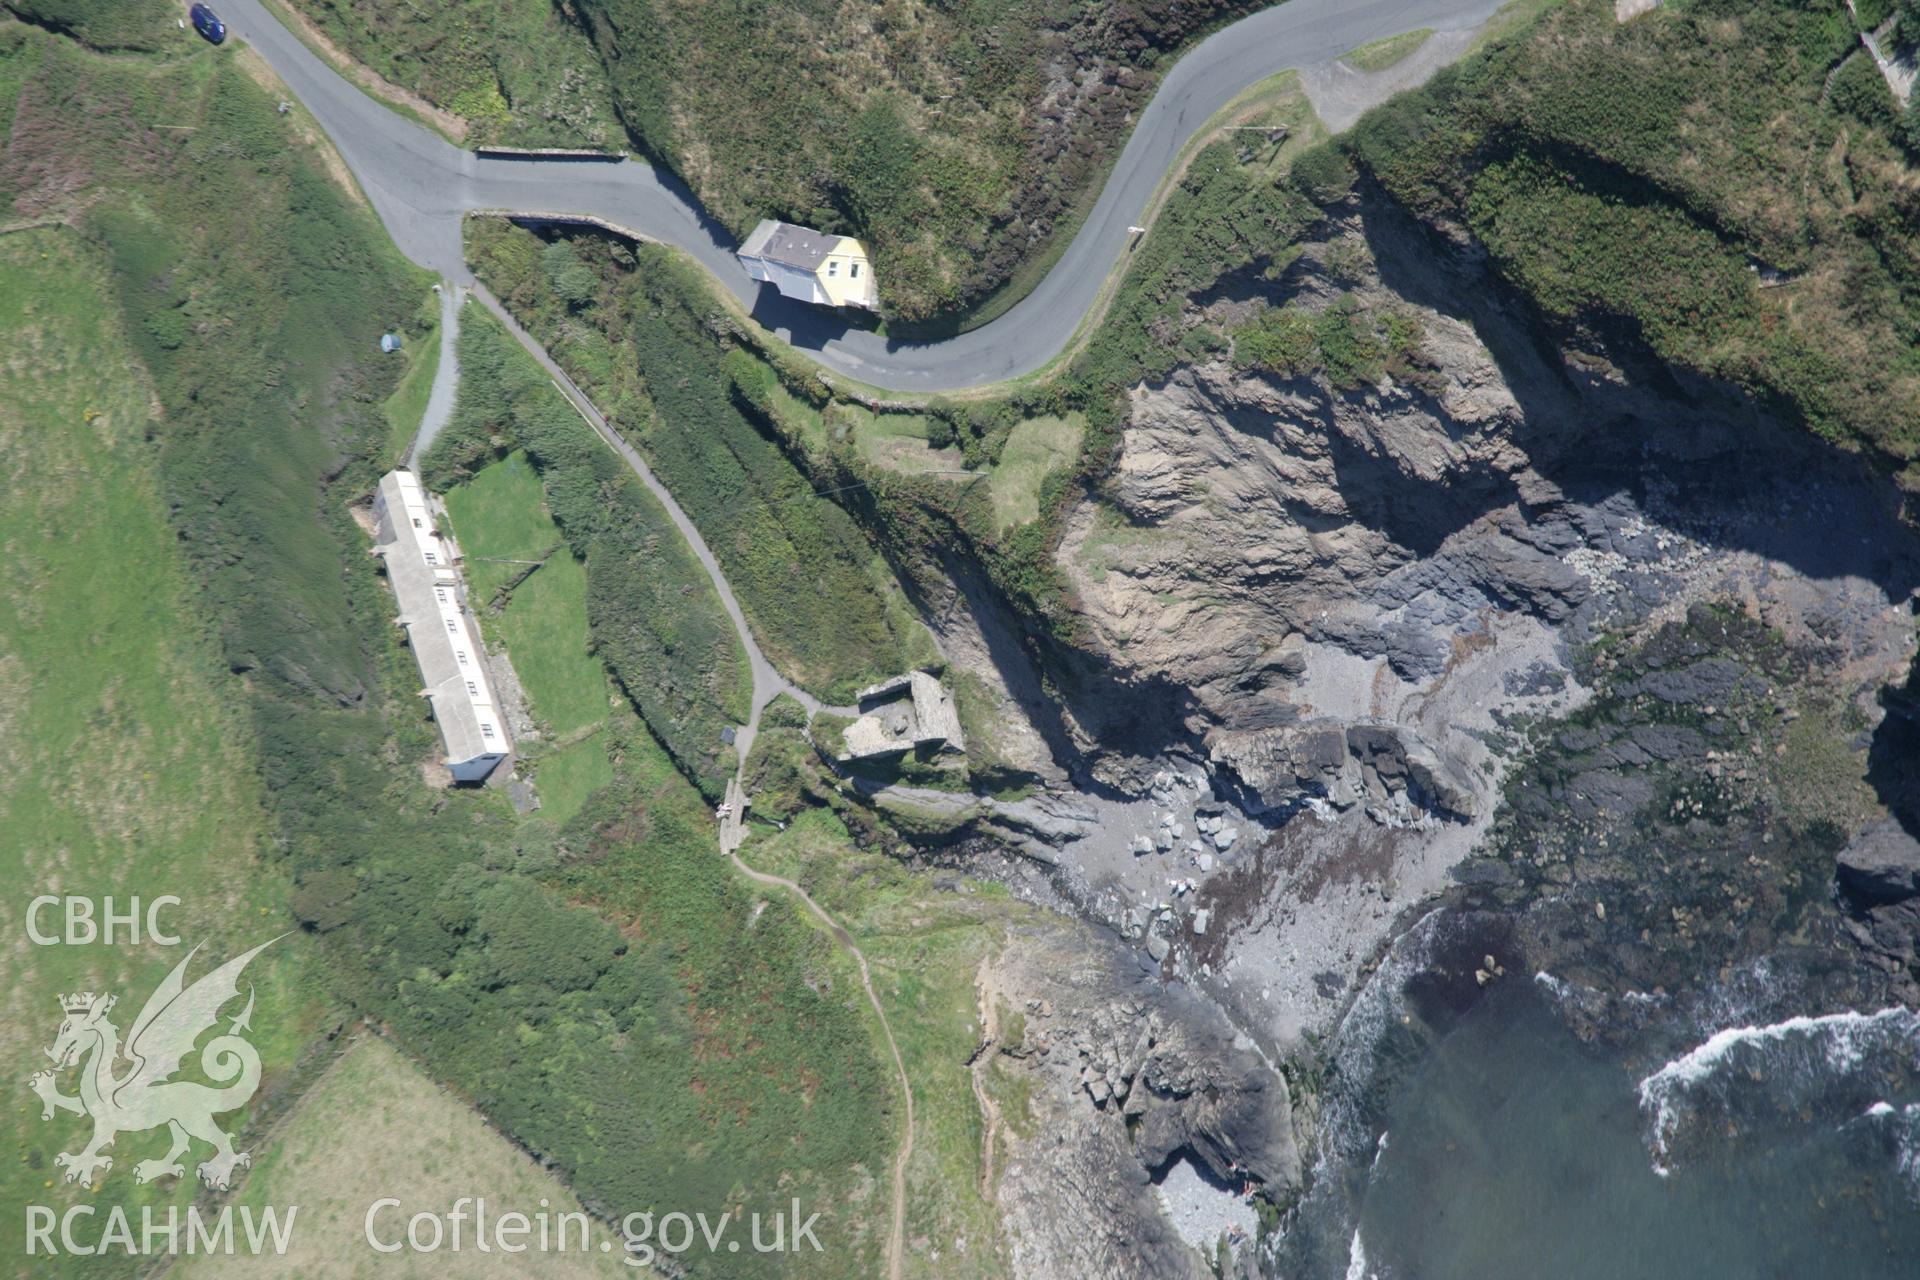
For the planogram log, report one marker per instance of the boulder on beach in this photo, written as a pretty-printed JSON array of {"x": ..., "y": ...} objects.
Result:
[{"x": 1882, "y": 864}]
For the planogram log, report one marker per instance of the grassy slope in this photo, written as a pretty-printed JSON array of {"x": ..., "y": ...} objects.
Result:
[
  {"x": 1629, "y": 177},
  {"x": 408, "y": 403},
  {"x": 433, "y": 1149},
  {"x": 961, "y": 140},
  {"x": 123, "y": 769},
  {"x": 820, "y": 600},
  {"x": 1035, "y": 448},
  {"x": 251, "y": 287}
]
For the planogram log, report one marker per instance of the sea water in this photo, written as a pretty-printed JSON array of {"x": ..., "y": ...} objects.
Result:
[{"x": 1788, "y": 1150}]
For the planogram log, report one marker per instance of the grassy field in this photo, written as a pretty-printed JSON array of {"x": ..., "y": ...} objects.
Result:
[
  {"x": 123, "y": 771},
  {"x": 1034, "y": 448},
  {"x": 500, "y": 518},
  {"x": 567, "y": 776},
  {"x": 428, "y": 1148},
  {"x": 652, "y": 613},
  {"x": 895, "y": 441}
]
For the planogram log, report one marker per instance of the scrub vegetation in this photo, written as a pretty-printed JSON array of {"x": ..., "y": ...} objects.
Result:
[
  {"x": 517, "y": 72},
  {"x": 925, "y": 950},
  {"x": 609, "y": 977},
  {"x": 1722, "y": 181},
  {"x": 651, "y": 612},
  {"x": 639, "y": 341},
  {"x": 961, "y": 142}
]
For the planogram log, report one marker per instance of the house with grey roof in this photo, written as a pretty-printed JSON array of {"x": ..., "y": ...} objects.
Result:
[
  {"x": 812, "y": 266},
  {"x": 423, "y": 570}
]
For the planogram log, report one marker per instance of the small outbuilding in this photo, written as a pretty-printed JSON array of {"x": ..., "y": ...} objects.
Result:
[
  {"x": 812, "y": 266},
  {"x": 390, "y": 342}
]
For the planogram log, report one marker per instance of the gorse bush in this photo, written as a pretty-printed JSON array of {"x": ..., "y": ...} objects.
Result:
[
  {"x": 1648, "y": 179},
  {"x": 612, "y": 998},
  {"x": 571, "y": 279},
  {"x": 812, "y": 586},
  {"x": 1350, "y": 345}
]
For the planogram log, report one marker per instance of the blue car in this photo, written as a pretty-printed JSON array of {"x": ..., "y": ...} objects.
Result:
[{"x": 208, "y": 24}]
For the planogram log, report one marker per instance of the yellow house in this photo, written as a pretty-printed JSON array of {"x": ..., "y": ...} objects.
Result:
[{"x": 813, "y": 266}]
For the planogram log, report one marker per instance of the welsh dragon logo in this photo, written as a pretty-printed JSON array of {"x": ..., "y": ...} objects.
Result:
[{"x": 145, "y": 1095}]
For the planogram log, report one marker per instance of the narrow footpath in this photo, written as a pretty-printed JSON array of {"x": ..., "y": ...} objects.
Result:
[
  {"x": 446, "y": 376},
  {"x": 768, "y": 684}
]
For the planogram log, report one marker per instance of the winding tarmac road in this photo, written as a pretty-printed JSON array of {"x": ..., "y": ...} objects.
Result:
[{"x": 421, "y": 185}]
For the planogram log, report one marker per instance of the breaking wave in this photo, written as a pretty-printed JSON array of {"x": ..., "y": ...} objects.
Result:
[
  {"x": 1899, "y": 1128},
  {"x": 1802, "y": 1066}
]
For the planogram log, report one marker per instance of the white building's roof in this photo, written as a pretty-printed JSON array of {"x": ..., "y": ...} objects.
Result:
[
  {"x": 421, "y": 568},
  {"x": 791, "y": 246},
  {"x": 806, "y": 264}
]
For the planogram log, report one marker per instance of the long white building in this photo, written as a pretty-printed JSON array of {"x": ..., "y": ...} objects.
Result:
[{"x": 423, "y": 570}]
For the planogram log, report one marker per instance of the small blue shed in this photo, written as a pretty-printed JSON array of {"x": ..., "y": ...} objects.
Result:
[{"x": 389, "y": 342}]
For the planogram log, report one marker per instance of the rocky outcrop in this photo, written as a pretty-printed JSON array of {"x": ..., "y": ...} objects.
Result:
[
  {"x": 1129, "y": 1074},
  {"x": 1367, "y": 593},
  {"x": 1878, "y": 875},
  {"x": 1287, "y": 550},
  {"x": 1397, "y": 774},
  {"x": 1880, "y": 865}
]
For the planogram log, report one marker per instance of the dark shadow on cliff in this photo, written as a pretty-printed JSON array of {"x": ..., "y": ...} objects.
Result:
[
  {"x": 1893, "y": 759},
  {"x": 1702, "y": 456}
]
